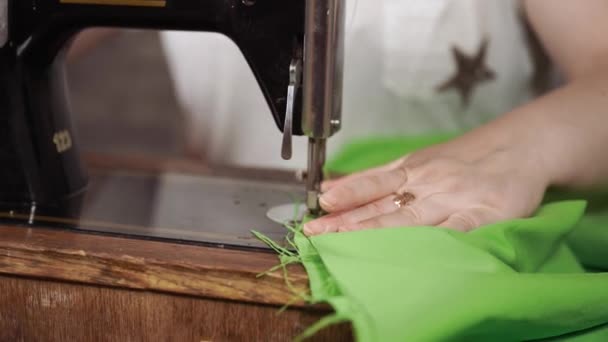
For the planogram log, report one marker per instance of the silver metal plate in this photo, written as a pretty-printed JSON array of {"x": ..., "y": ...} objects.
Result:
[
  {"x": 287, "y": 213},
  {"x": 221, "y": 211}
]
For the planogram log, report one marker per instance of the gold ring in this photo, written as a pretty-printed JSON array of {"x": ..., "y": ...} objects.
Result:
[{"x": 401, "y": 200}]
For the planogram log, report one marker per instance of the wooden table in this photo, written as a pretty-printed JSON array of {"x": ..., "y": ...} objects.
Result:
[{"x": 66, "y": 285}]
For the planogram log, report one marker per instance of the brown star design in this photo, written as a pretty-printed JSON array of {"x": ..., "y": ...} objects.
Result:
[{"x": 471, "y": 71}]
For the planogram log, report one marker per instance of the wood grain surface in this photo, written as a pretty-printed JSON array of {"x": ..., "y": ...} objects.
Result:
[
  {"x": 44, "y": 311},
  {"x": 150, "y": 265}
]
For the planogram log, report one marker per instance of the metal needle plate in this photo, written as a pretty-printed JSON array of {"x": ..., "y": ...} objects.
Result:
[{"x": 199, "y": 209}]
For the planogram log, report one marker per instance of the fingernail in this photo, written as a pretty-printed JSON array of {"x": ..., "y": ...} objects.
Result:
[
  {"x": 328, "y": 202},
  {"x": 310, "y": 229},
  {"x": 315, "y": 228}
]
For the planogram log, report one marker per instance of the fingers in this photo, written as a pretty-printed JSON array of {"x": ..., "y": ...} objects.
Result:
[
  {"x": 362, "y": 190},
  {"x": 331, "y": 223},
  {"x": 437, "y": 210},
  {"x": 428, "y": 212},
  {"x": 327, "y": 185}
]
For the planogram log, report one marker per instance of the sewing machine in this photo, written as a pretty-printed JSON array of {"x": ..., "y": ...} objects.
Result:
[{"x": 294, "y": 48}]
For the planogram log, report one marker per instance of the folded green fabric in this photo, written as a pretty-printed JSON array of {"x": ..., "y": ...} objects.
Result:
[
  {"x": 366, "y": 153},
  {"x": 512, "y": 281}
]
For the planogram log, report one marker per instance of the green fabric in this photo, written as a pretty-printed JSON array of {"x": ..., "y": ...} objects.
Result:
[
  {"x": 363, "y": 154},
  {"x": 512, "y": 281}
]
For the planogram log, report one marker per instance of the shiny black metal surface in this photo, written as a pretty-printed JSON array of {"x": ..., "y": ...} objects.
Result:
[{"x": 40, "y": 169}]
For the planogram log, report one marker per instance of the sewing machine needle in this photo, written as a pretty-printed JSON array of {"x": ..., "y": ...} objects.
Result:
[{"x": 316, "y": 160}]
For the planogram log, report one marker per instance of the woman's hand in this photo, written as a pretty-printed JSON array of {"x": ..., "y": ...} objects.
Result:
[
  {"x": 502, "y": 169},
  {"x": 449, "y": 190}
]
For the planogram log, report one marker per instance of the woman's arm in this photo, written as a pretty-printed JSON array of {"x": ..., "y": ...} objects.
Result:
[{"x": 568, "y": 127}]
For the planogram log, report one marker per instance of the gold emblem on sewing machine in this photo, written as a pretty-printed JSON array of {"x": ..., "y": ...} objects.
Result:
[
  {"x": 138, "y": 3},
  {"x": 62, "y": 140}
]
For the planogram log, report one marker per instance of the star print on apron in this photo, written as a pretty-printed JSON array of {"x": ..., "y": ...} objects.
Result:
[
  {"x": 467, "y": 59},
  {"x": 470, "y": 71}
]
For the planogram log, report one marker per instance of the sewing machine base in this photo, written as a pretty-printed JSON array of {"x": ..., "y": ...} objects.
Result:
[{"x": 207, "y": 209}]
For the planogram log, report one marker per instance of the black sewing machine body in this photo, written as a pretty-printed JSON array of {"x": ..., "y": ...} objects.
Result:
[{"x": 40, "y": 168}]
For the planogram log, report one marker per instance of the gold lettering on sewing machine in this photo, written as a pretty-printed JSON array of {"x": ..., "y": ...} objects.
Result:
[
  {"x": 62, "y": 140},
  {"x": 138, "y": 3}
]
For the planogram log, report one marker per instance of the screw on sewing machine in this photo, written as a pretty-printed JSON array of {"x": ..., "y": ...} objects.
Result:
[{"x": 301, "y": 175}]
